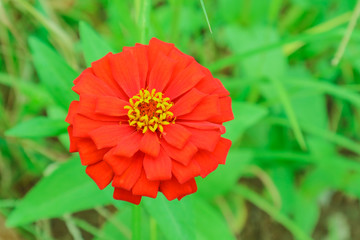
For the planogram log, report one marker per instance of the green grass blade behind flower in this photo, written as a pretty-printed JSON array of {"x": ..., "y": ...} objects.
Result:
[
  {"x": 58, "y": 34},
  {"x": 305, "y": 37},
  {"x": 38, "y": 127},
  {"x": 345, "y": 40},
  {"x": 261, "y": 203},
  {"x": 206, "y": 15},
  {"x": 87, "y": 227},
  {"x": 335, "y": 90},
  {"x": 326, "y": 135},
  {"x": 93, "y": 45},
  {"x": 285, "y": 100}
]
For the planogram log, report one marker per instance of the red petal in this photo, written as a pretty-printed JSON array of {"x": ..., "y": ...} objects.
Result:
[
  {"x": 183, "y": 155},
  {"x": 109, "y": 136},
  {"x": 161, "y": 72},
  {"x": 176, "y": 135},
  {"x": 156, "y": 47},
  {"x": 125, "y": 71},
  {"x": 206, "y": 162},
  {"x": 88, "y": 83},
  {"x": 207, "y": 108},
  {"x": 144, "y": 187},
  {"x": 130, "y": 176},
  {"x": 204, "y": 139},
  {"x": 111, "y": 106},
  {"x": 124, "y": 195},
  {"x": 182, "y": 60},
  {"x": 101, "y": 173},
  {"x": 211, "y": 85},
  {"x": 203, "y": 125},
  {"x": 73, "y": 140},
  {"x": 140, "y": 53},
  {"x": 150, "y": 144},
  {"x": 158, "y": 168},
  {"x": 173, "y": 189},
  {"x": 128, "y": 145},
  {"x": 73, "y": 109},
  {"x": 83, "y": 125},
  {"x": 88, "y": 152},
  {"x": 87, "y": 107},
  {"x": 184, "y": 81},
  {"x": 187, "y": 102},
  {"x": 221, "y": 150},
  {"x": 220, "y": 90},
  {"x": 118, "y": 163},
  {"x": 225, "y": 113},
  {"x": 102, "y": 70},
  {"x": 185, "y": 173}
]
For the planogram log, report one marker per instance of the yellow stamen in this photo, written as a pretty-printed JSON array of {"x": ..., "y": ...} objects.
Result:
[{"x": 149, "y": 110}]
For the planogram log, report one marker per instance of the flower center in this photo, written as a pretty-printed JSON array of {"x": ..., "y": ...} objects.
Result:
[{"x": 150, "y": 110}]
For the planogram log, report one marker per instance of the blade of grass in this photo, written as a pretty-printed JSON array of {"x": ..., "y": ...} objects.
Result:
[
  {"x": 62, "y": 39},
  {"x": 342, "y": 92},
  {"x": 73, "y": 229},
  {"x": 91, "y": 229},
  {"x": 233, "y": 59},
  {"x": 350, "y": 28},
  {"x": 119, "y": 225},
  {"x": 206, "y": 16},
  {"x": 261, "y": 203},
  {"x": 285, "y": 100},
  {"x": 320, "y": 28},
  {"x": 327, "y": 135}
]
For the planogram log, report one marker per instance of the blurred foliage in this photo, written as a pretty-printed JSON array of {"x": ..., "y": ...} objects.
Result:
[{"x": 295, "y": 135}]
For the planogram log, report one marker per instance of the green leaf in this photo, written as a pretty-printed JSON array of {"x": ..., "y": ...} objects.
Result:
[
  {"x": 246, "y": 115},
  {"x": 209, "y": 223},
  {"x": 93, "y": 46},
  {"x": 38, "y": 127},
  {"x": 55, "y": 74},
  {"x": 175, "y": 218},
  {"x": 68, "y": 189},
  {"x": 225, "y": 177},
  {"x": 308, "y": 219}
]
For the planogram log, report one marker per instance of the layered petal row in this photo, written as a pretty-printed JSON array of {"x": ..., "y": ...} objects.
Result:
[{"x": 149, "y": 119}]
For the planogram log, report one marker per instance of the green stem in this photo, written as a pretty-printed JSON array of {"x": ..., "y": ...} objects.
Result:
[
  {"x": 153, "y": 229},
  {"x": 136, "y": 222},
  {"x": 145, "y": 7}
]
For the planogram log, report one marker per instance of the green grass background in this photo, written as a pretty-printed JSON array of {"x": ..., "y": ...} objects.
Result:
[{"x": 295, "y": 135}]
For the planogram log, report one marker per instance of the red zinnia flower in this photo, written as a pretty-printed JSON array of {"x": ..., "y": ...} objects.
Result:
[{"x": 149, "y": 119}]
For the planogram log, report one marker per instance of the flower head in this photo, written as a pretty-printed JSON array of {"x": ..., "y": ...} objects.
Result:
[{"x": 149, "y": 119}]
